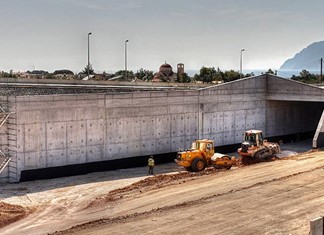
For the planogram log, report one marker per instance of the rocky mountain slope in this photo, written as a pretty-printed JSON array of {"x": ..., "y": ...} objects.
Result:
[{"x": 308, "y": 58}]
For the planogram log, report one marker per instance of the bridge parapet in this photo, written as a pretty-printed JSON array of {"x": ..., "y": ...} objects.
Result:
[{"x": 289, "y": 90}]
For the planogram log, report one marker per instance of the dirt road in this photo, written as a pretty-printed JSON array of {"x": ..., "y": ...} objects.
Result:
[{"x": 278, "y": 197}]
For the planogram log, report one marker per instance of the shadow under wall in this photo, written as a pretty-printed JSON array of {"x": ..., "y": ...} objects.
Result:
[{"x": 80, "y": 169}]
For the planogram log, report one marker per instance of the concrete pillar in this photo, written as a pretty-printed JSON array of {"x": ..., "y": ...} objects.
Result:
[
  {"x": 316, "y": 226},
  {"x": 318, "y": 140}
]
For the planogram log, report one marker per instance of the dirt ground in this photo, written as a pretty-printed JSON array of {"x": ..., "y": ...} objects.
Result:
[
  {"x": 278, "y": 197},
  {"x": 11, "y": 213}
]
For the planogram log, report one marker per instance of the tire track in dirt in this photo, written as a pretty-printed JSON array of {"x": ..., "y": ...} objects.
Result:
[{"x": 200, "y": 201}]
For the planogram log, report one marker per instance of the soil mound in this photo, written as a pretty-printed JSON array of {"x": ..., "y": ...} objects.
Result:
[
  {"x": 10, "y": 213},
  {"x": 147, "y": 184}
]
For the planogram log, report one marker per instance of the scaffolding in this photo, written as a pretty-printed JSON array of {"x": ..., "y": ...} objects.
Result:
[{"x": 8, "y": 130}]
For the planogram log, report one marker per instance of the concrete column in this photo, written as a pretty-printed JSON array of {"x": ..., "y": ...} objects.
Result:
[
  {"x": 318, "y": 140},
  {"x": 316, "y": 226}
]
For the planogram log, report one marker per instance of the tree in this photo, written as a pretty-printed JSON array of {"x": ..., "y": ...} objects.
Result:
[
  {"x": 88, "y": 68},
  {"x": 130, "y": 74},
  {"x": 249, "y": 75},
  {"x": 206, "y": 75},
  {"x": 306, "y": 77},
  {"x": 143, "y": 74},
  {"x": 63, "y": 71},
  {"x": 184, "y": 78},
  {"x": 219, "y": 75},
  {"x": 231, "y": 75},
  {"x": 49, "y": 76},
  {"x": 270, "y": 71},
  {"x": 305, "y": 74},
  {"x": 8, "y": 75},
  {"x": 38, "y": 72}
]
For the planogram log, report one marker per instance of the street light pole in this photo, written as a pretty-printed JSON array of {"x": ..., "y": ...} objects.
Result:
[
  {"x": 126, "y": 58},
  {"x": 241, "y": 62},
  {"x": 321, "y": 77},
  {"x": 89, "y": 55}
]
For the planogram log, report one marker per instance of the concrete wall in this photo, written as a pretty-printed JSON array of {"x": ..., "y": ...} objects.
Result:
[
  {"x": 285, "y": 89},
  {"x": 73, "y": 129},
  {"x": 228, "y": 110},
  {"x": 58, "y": 130}
]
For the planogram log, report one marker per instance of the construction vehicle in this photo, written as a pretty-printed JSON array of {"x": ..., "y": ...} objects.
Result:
[
  {"x": 255, "y": 148},
  {"x": 202, "y": 155}
]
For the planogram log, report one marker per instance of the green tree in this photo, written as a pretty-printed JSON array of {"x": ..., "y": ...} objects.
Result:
[
  {"x": 249, "y": 75},
  {"x": 231, "y": 75},
  {"x": 64, "y": 71},
  {"x": 49, "y": 76},
  {"x": 88, "y": 69},
  {"x": 306, "y": 77},
  {"x": 8, "y": 75},
  {"x": 130, "y": 74},
  {"x": 270, "y": 71},
  {"x": 184, "y": 78},
  {"x": 143, "y": 74},
  {"x": 219, "y": 76},
  {"x": 206, "y": 75}
]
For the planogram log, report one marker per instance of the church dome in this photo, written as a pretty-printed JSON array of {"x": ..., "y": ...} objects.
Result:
[{"x": 166, "y": 69}]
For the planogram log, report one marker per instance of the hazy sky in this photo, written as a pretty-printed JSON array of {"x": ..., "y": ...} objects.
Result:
[{"x": 52, "y": 34}]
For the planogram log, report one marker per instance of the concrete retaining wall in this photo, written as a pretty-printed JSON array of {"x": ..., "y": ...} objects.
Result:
[{"x": 58, "y": 130}]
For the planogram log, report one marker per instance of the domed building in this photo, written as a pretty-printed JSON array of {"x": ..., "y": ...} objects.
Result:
[
  {"x": 165, "y": 74},
  {"x": 166, "y": 69}
]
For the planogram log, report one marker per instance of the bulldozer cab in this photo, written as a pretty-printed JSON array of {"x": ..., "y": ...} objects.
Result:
[
  {"x": 206, "y": 146},
  {"x": 254, "y": 137}
]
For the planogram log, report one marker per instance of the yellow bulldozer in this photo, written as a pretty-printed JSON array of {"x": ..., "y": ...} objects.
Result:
[
  {"x": 255, "y": 148},
  {"x": 201, "y": 155}
]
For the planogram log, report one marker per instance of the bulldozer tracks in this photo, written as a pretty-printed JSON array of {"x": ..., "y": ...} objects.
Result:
[{"x": 183, "y": 205}]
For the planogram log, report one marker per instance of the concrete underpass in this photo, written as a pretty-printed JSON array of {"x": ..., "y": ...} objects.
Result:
[{"x": 50, "y": 129}]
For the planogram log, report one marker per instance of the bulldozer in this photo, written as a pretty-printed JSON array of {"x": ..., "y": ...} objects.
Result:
[
  {"x": 255, "y": 148},
  {"x": 201, "y": 155}
]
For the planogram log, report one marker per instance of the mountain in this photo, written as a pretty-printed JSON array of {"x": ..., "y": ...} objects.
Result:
[{"x": 308, "y": 58}]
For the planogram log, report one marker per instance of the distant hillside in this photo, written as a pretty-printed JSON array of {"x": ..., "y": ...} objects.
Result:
[{"x": 308, "y": 58}]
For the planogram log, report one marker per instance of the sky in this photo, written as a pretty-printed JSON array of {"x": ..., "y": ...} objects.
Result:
[{"x": 53, "y": 34}]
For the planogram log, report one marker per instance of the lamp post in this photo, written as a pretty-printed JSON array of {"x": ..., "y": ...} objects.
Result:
[
  {"x": 89, "y": 55},
  {"x": 321, "y": 77},
  {"x": 241, "y": 63},
  {"x": 126, "y": 57}
]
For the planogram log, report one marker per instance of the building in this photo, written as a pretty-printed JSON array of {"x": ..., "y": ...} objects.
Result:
[
  {"x": 166, "y": 73},
  {"x": 180, "y": 69}
]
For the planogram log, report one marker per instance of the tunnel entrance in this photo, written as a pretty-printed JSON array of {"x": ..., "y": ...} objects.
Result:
[{"x": 294, "y": 120}]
